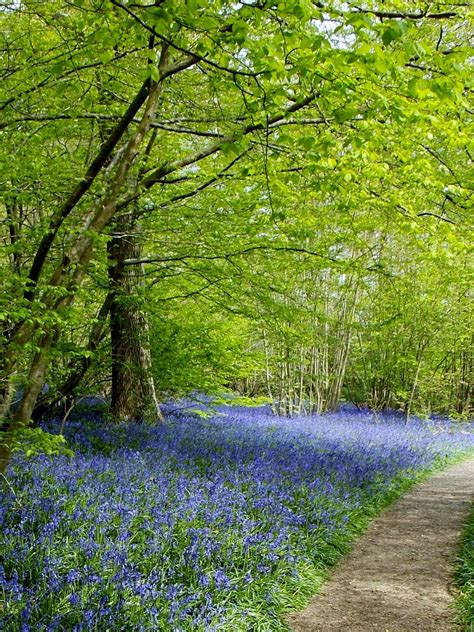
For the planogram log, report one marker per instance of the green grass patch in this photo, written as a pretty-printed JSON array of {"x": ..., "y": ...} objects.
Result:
[{"x": 465, "y": 576}]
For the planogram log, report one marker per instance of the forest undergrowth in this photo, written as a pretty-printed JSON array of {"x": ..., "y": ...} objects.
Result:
[
  {"x": 220, "y": 520},
  {"x": 465, "y": 576}
]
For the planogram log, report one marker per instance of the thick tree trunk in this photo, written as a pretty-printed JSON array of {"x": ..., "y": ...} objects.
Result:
[
  {"x": 6, "y": 395},
  {"x": 133, "y": 389},
  {"x": 5, "y": 453}
]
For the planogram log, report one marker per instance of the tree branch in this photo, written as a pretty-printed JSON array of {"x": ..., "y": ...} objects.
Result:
[
  {"x": 99, "y": 116},
  {"x": 94, "y": 169},
  {"x": 46, "y": 80},
  {"x": 162, "y": 38},
  {"x": 394, "y": 15},
  {"x": 444, "y": 219},
  {"x": 229, "y": 255},
  {"x": 188, "y": 194},
  {"x": 191, "y": 159}
]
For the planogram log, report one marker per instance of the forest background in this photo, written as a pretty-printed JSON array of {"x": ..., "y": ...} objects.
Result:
[{"x": 255, "y": 197}]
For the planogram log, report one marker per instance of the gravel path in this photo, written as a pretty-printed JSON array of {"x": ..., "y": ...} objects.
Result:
[{"x": 398, "y": 577}]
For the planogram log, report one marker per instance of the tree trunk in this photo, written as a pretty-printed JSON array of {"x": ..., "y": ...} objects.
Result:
[
  {"x": 77, "y": 369},
  {"x": 133, "y": 389},
  {"x": 36, "y": 379},
  {"x": 465, "y": 387},
  {"x": 414, "y": 386},
  {"x": 6, "y": 395}
]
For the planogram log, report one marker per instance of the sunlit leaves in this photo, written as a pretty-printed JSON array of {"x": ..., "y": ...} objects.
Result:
[
  {"x": 379, "y": 147},
  {"x": 393, "y": 31}
]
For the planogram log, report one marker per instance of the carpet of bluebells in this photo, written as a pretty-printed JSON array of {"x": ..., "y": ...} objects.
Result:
[{"x": 202, "y": 523}]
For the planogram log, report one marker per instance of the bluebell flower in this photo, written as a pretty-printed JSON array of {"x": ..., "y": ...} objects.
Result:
[
  {"x": 168, "y": 523},
  {"x": 221, "y": 580},
  {"x": 74, "y": 599}
]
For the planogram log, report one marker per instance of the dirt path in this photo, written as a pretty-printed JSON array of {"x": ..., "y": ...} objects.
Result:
[{"x": 398, "y": 576}]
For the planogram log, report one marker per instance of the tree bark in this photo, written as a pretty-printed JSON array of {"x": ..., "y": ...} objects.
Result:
[
  {"x": 133, "y": 389},
  {"x": 36, "y": 379},
  {"x": 77, "y": 369}
]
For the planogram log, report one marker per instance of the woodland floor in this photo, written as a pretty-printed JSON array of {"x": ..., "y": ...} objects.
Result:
[{"x": 399, "y": 575}]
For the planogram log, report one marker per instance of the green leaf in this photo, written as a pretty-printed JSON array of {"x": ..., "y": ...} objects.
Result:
[
  {"x": 393, "y": 31},
  {"x": 307, "y": 142},
  {"x": 154, "y": 72}
]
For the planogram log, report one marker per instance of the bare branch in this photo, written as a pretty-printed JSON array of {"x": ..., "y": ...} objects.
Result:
[{"x": 444, "y": 219}]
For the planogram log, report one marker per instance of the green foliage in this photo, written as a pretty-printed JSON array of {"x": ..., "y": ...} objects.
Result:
[
  {"x": 194, "y": 350},
  {"x": 465, "y": 575},
  {"x": 229, "y": 399},
  {"x": 298, "y": 145},
  {"x": 34, "y": 441}
]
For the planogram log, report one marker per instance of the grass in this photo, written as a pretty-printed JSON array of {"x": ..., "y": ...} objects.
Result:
[{"x": 465, "y": 576}]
